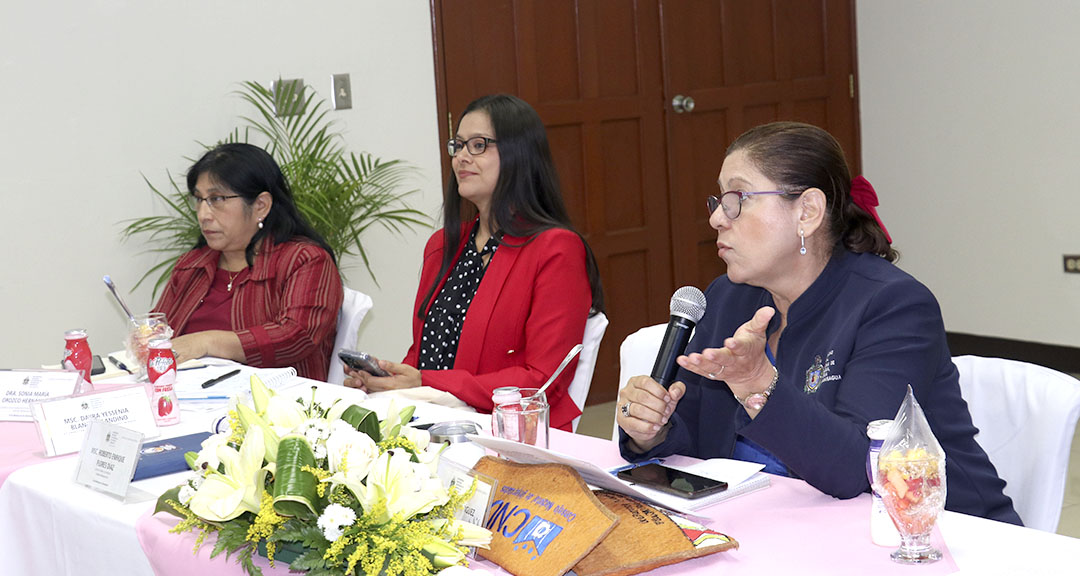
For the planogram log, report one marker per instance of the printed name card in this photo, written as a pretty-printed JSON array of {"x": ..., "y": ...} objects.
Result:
[
  {"x": 108, "y": 458},
  {"x": 63, "y": 423},
  {"x": 20, "y": 389}
]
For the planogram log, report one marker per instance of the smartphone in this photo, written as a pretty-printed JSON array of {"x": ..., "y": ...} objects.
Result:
[
  {"x": 97, "y": 367},
  {"x": 361, "y": 361},
  {"x": 672, "y": 481}
]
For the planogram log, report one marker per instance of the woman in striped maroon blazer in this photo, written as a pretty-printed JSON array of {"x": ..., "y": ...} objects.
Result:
[{"x": 261, "y": 285}]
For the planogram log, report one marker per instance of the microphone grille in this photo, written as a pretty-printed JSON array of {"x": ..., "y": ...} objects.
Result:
[{"x": 688, "y": 302}]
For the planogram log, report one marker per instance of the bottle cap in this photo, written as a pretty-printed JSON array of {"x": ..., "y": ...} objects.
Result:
[
  {"x": 452, "y": 432},
  {"x": 160, "y": 344},
  {"x": 75, "y": 334}
]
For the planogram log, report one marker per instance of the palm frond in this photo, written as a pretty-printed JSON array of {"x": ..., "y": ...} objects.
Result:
[{"x": 342, "y": 194}]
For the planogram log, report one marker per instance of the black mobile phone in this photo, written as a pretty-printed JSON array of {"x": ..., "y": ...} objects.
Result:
[
  {"x": 97, "y": 367},
  {"x": 672, "y": 481},
  {"x": 361, "y": 361}
]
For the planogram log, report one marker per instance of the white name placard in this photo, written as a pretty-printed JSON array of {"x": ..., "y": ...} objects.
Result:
[
  {"x": 20, "y": 389},
  {"x": 108, "y": 458},
  {"x": 63, "y": 423}
]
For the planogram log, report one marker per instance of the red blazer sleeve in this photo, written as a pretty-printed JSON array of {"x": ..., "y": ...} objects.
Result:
[{"x": 529, "y": 311}]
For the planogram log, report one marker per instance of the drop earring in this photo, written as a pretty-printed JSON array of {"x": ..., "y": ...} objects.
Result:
[
  {"x": 802, "y": 242},
  {"x": 261, "y": 225}
]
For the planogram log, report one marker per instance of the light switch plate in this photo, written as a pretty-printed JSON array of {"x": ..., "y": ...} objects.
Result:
[
  {"x": 288, "y": 96},
  {"x": 341, "y": 89}
]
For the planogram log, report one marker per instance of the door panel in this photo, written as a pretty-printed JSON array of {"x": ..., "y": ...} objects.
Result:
[
  {"x": 744, "y": 64},
  {"x": 602, "y": 74}
]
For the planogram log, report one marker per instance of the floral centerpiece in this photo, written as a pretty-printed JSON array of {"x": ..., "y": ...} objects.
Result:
[{"x": 331, "y": 490}]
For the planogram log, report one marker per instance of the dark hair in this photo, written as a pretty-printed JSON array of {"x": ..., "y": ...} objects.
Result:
[
  {"x": 527, "y": 199},
  {"x": 248, "y": 171},
  {"x": 798, "y": 156}
]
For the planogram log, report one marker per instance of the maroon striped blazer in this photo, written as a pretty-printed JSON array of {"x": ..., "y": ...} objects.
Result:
[{"x": 285, "y": 311}]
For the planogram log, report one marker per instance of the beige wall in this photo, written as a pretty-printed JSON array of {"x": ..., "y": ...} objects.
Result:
[
  {"x": 969, "y": 118},
  {"x": 970, "y": 133},
  {"x": 94, "y": 94}
]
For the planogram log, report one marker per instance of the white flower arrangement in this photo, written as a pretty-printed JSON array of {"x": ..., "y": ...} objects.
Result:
[{"x": 333, "y": 491}]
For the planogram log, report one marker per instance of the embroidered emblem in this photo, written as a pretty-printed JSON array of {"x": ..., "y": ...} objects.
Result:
[{"x": 819, "y": 372}]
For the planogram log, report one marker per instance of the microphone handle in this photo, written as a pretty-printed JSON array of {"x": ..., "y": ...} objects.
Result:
[{"x": 675, "y": 339}]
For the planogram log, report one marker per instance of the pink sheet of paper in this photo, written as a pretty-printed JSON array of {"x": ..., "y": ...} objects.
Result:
[{"x": 786, "y": 528}]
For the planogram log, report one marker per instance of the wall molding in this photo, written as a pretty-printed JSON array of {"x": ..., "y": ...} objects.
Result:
[{"x": 1061, "y": 358}]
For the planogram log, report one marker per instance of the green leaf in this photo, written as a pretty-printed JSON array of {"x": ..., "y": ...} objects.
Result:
[
  {"x": 294, "y": 488},
  {"x": 171, "y": 494},
  {"x": 363, "y": 420}
]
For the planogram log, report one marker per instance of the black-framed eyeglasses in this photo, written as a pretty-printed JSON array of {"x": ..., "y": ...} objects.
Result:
[
  {"x": 214, "y": 202},
  {"x": 732, "y": 201},
  {"x": 477, "y": 145}
]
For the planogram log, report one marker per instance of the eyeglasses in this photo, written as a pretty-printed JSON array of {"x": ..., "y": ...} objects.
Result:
[
  {"x": 732, "y": 201},
  {"x": 476, "y": 145},
  {"x": 214, "y": 202}
]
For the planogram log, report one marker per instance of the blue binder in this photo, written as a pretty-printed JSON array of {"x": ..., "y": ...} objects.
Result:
[{"x": 163, "y": 457}]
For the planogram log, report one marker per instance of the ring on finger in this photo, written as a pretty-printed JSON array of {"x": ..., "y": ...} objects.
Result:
[{"x": 625, "y": 409}]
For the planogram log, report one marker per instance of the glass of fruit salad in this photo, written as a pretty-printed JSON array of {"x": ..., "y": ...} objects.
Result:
[
  {"x": 912, "y": 486},
  {"x": 147, "y": 326}
]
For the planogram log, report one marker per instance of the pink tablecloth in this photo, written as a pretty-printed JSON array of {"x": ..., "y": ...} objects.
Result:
[{"x": 790, "y": 528}]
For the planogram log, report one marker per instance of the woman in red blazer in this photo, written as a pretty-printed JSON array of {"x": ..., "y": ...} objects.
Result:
[{"x": 507, "y": 284}]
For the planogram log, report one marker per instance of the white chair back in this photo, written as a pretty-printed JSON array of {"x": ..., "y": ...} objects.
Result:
[
  {"x": 354, "y": 306},
  {"x": 579, "y": 386},
  {"x": 1026, "y": 415},
  {"x": 637, "y": 354}
]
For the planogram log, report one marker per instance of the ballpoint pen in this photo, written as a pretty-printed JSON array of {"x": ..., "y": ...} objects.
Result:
[
  {"x": 119, "y": 364},
  {"x": 221, "y": 378}
]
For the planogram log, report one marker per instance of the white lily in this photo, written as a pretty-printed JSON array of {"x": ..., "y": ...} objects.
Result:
[
  {"x": 408, "y": 487},
  {"x": 208, "y": 458},
  {"x": 350, "y": 455},
  {"x": 252, "y": 421},
  {"x": 284, "y": 415},
  {"x": 471, "y": 534},
  {"x": 222, "y": 497}
]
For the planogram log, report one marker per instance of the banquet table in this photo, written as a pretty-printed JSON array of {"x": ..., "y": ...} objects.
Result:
[{"x": 49, "y": 525}]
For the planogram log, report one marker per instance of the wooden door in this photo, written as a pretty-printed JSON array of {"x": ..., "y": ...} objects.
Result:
[
  {"x": 601, "y": 74},
  {"x": 746, "y": 63}
]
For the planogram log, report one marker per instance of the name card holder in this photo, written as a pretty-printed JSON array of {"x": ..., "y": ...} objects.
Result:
[
  {"x": 20, "y": 389},
  {"x": 63, "y": 423},
  {"x": 108, "y": 458}
]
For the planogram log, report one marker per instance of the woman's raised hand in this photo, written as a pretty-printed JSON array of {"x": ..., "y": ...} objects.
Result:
[{"x": 742, "y": 362}]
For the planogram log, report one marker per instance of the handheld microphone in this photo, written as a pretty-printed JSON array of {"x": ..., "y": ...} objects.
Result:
[{"x": 687, "y": 308}]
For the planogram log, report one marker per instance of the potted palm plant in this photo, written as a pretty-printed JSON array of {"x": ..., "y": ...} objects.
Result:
[{"x": 341, "y": 193}]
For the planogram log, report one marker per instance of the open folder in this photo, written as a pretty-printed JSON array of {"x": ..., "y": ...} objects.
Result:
[{"x": 600, "y": 478}]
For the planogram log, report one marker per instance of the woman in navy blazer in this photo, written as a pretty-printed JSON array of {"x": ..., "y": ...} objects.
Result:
[
  {"x": 507, "y": 284},
  {"x": 812, "y": 334}
]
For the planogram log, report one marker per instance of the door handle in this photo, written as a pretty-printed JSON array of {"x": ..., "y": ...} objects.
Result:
[{"x": 682, "y": 104}]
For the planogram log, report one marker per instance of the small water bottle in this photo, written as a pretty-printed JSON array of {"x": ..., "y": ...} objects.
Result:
[{"x": 882, "y": 530}]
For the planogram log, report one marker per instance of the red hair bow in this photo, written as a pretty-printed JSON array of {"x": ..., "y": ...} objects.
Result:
[{"x": 864, "y": 196}]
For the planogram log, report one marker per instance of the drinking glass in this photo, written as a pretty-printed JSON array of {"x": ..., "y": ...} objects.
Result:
[
  {"x": 525, "y": 421},
  {"x": 912, "y": 487},
  {"x": 147, "y": 326}
]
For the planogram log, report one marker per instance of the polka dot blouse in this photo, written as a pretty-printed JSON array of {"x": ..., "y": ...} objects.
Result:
[{"x": 442, "y": 328}]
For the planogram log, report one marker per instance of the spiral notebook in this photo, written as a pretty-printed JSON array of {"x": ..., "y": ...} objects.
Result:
[{"x": 189, "y": 384}]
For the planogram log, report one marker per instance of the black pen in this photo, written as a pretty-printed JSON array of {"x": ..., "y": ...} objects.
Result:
[
  {"x": 119, "y": 364},
  {"x": 221, "y": 378}
]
